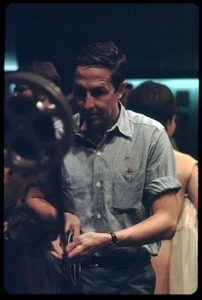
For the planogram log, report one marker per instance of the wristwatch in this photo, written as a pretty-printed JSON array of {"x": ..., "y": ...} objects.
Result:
[{"x": 114, "y": 240}]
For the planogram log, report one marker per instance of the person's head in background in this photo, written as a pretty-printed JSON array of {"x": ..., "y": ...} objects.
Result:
[
  {"x": 45, "y": 69},
  {"x": 156, "y": 101}
]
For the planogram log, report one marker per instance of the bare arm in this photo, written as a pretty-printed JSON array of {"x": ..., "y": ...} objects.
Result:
[
  {"x": 38, "y": 206},
  {"x": 161, "y": 225},
  {"x": 192, "y": 186},
  {"x": 14, "y": 186}
]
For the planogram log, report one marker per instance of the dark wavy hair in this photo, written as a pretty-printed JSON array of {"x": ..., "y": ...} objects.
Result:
[
  {"x": 104, "y": 54},
  {"x": 44, "y": 68},
  {"x": 154, "y": 100}
]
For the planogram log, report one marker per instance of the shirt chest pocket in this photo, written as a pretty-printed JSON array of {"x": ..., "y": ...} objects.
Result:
[{"x": 127, "y": 191}]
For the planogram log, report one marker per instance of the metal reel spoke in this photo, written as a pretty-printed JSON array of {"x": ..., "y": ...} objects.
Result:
[{"x": 31, "y": 143}]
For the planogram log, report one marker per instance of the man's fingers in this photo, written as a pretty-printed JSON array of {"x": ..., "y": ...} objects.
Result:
[
  {"x": 56, "y": 248},
  {"x": 56, "y": 255}
]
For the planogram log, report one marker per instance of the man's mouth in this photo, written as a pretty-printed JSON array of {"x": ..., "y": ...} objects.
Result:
[{"x": 90, "y": 116}]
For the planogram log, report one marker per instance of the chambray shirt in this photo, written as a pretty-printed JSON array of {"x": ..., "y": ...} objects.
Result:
[{"x": 112, "y": 187}]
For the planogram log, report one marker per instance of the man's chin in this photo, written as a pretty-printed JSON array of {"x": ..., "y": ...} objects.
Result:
[
  {"x": 93, "y": 123},
  {"x": 93, "y": 119}
]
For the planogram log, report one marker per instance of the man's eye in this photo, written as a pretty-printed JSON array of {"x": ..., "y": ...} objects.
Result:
[{"x": 97, "y": 93}]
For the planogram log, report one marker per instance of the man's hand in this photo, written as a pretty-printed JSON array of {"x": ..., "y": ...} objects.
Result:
[
  {"x": 57, "y": 248},
  {"x": 71, "y": 224}
]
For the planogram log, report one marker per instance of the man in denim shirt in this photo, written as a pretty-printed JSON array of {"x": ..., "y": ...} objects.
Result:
[{"x": 118, "y": 178}]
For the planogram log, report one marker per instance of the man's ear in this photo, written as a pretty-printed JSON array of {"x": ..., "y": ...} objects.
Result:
[{"x": 121, "y": 90}]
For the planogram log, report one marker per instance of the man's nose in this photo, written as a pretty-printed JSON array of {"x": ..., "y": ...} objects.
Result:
[{"x": 89, "y": 101}]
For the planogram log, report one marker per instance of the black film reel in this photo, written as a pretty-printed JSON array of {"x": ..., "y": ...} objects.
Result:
[{"x": 31, "y": 143}]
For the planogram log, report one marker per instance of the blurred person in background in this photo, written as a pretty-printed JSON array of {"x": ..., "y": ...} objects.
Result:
[
  {"x": 29, "y": 226},
  {"x": 176, "y": 264}
]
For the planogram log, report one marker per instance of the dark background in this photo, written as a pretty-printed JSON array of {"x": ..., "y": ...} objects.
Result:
[{"x": 161, "y": 40}]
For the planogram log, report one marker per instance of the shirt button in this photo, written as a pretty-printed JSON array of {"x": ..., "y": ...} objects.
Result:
[
  {"x": 99, "y": 216},
  {"x": 98, "y": 184},
  {"x": 98, "y": 153}
]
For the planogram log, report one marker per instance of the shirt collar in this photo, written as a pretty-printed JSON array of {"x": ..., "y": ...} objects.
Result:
[{"x": 122, "y": 124}]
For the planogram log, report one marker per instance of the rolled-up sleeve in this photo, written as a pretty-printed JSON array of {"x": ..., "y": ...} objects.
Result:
[{"x": 161, "y": 186}]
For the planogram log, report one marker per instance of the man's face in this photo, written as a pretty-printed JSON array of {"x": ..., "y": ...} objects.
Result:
[{"x": 95, "y": 96}]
